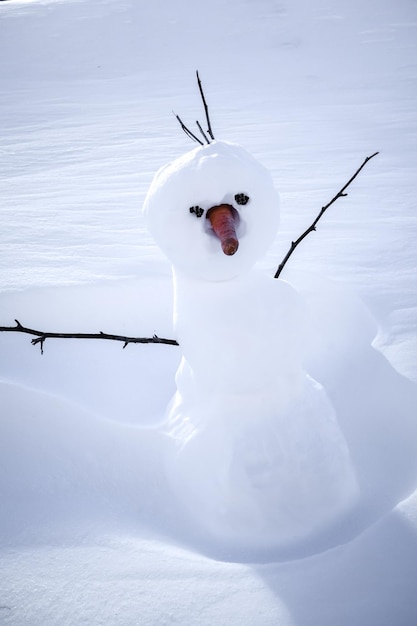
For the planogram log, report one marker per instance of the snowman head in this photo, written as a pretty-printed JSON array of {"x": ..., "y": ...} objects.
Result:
[{"x": 186, "y": 194}]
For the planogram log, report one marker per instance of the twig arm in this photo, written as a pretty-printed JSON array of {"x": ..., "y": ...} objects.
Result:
[
  {"x": 40, "y": 336},
  {"x": 340, "y": 194}
]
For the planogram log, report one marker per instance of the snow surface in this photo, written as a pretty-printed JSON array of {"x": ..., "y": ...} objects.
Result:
[{"x": 90, "y": 531}]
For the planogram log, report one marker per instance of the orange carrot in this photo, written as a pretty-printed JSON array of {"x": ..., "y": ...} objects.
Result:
[{"x": 223, "y": 223}]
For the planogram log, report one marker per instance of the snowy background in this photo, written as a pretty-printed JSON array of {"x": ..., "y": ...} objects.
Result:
[{"x": 89, "y": 530}]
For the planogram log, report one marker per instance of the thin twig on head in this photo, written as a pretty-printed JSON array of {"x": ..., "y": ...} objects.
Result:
[
  {"x": 202, "y": 131},
  {"x": 200, "y": 86},
  {"x": 187, "y": 131}
]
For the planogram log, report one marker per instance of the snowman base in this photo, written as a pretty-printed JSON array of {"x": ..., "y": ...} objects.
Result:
[{"x": 261, "y": 480}]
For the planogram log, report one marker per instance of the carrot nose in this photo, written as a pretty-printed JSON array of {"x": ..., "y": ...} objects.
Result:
[{"x": 223, "y": 223}]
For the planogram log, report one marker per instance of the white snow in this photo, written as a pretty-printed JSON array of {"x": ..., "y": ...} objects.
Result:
[{"x": 90, "y": 528}]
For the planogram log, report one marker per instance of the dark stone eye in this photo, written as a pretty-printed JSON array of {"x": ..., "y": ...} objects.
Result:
[
  {"x": 197, "y": 210},
  {"x": 241, "y": 198}
]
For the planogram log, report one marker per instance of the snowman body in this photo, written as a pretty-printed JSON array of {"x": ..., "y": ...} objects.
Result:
[{"x": 257, "y": 456}]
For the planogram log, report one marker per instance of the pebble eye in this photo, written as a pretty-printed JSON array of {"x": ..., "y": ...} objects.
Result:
[
  {"x": 241, "y": 198},
  {"x": 197, "y": 210}
]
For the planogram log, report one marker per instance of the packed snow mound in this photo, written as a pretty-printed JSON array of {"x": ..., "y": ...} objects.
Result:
[{"x": 211, "y": 175}]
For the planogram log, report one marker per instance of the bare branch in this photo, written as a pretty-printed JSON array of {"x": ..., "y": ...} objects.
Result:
[
  {"x": 41, "y": 336},
  {"x": 187, "y": 131},
  {"x": 312, "y": 227},
  {"x": 185, "y": 128},
  {"x": 200, "y": 86},
  {"x": 202, "y": 132}
]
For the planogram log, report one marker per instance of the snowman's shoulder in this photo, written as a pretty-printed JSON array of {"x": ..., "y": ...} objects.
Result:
[
  {"x": 278, "y": 289},
  {"x": 285, "y": 289},
  {"x": 289, "y": 301},
  {"x": 279, "y": 297}
]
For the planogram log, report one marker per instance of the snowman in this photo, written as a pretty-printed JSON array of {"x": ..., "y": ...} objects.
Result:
[{"x": 256, "y": 458}]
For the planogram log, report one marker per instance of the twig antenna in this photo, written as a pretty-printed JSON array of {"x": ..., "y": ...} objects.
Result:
[{"x": 207, "y": 134}]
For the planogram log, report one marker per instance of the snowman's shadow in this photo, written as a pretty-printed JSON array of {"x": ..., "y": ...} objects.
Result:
[
  {"x": 376, "y": 407},
  {"x": 365, "y": 567}
]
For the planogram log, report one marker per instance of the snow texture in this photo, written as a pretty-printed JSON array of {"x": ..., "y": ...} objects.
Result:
[{"x": 93, "y": 528}]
